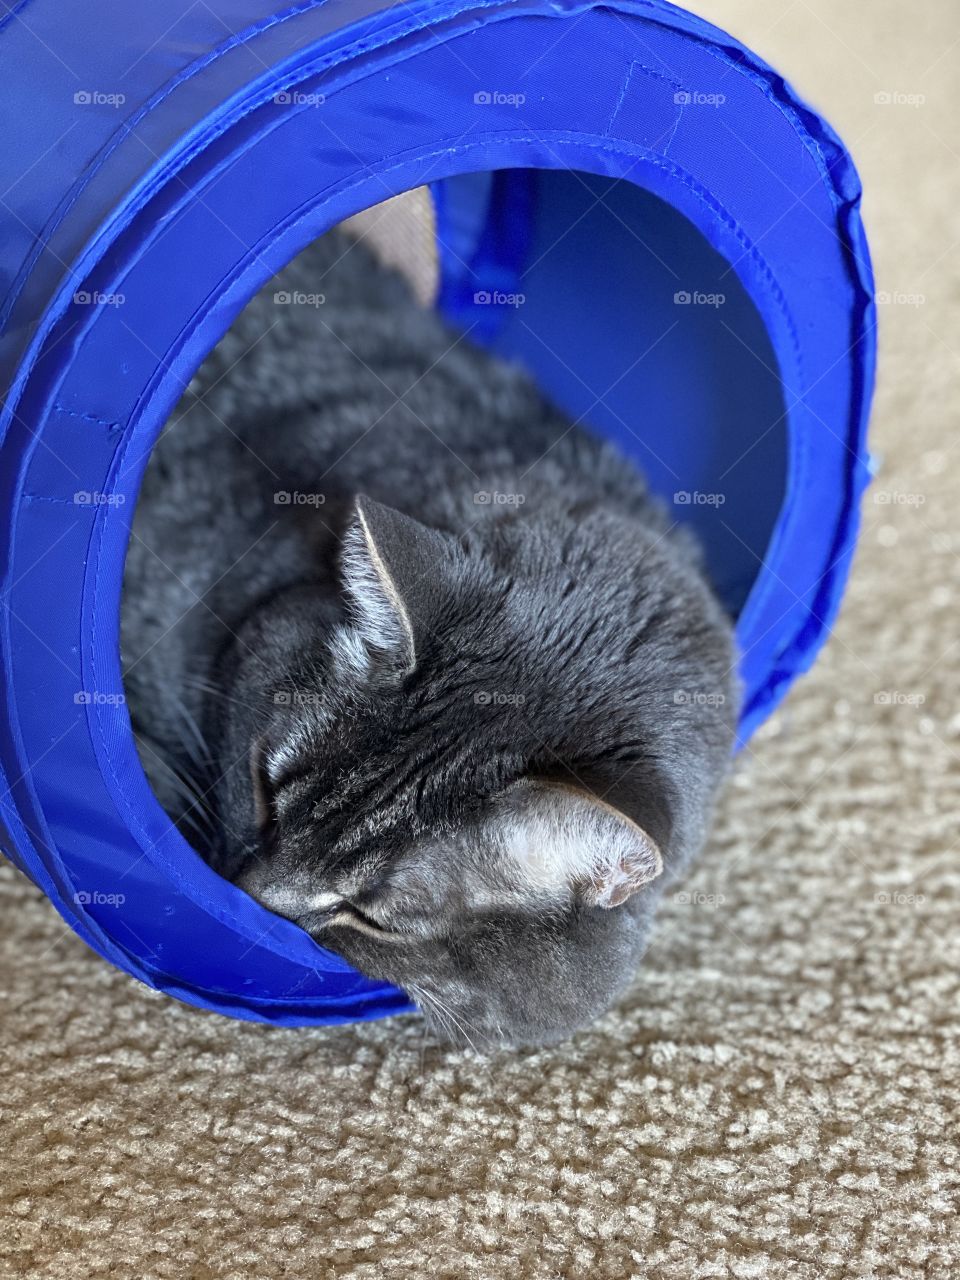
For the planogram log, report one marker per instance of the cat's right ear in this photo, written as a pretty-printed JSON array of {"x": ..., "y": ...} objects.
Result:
[
  {"x": 391, "y": 567},
  {"x": 563, "y": 838}
]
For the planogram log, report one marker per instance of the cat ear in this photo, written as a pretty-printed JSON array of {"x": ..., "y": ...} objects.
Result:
[
  {"x": 564, "y": 837},
  {"x": 390, "y": 564}
]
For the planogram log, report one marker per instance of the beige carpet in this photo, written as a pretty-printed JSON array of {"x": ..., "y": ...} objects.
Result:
[{"x": 779, "y": 1097}]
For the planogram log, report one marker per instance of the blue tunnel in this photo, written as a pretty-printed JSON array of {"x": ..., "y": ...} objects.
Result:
[{"x": 626, "y": 199}]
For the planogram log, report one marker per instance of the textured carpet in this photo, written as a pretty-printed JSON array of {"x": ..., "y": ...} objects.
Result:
[{"x": 778, "y": 1097}]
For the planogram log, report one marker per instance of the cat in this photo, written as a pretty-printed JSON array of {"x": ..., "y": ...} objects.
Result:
[{"x": 419, "y": 663}]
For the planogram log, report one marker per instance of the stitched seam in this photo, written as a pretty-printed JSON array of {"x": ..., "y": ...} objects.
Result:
[
  {"x": 87, "y": 417},
  {"x": 653, "y": 74},
  {"x": 67, "y": 502}
]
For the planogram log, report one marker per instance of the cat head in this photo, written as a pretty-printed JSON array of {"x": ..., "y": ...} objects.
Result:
[
  {"x": 468, "y": 782},
  {"x": 512, "y": 927}
]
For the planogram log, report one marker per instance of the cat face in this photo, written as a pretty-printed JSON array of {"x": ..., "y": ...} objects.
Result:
[
  {"x": 510, "y": 928},
  {"x": 473, "y": 785}
]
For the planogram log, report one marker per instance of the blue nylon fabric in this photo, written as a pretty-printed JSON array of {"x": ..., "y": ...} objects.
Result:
[{"x": 188, "y": 194}]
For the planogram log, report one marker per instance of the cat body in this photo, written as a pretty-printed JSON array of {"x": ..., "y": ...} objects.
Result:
[{"x": 421, "y": 665}]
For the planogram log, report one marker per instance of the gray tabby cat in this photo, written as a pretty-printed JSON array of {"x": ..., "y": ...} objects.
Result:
[{"x": 420, "y": 665}]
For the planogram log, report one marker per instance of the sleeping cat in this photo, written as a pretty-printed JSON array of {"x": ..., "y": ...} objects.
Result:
[{"x": 418, "y": 663}]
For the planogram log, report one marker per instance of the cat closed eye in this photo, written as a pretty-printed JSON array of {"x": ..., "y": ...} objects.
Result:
[{"x": 351, "y": 917}]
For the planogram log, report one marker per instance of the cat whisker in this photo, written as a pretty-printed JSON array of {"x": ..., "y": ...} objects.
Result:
[
  {"x": 208, "y": 686},
  {"x": 431, "y": 1014},
  {"x": 193, "y": 810},
  {"x": 440, "y": 1005},
  {"x": 190, "y": 721}
]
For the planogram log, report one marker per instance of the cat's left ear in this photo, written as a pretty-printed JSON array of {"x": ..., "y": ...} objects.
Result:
[
  {"x": 391, "y": 565},
  {"x": 564, "y": 837}
]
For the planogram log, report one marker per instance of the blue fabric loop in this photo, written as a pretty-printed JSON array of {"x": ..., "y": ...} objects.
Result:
[{"x": 603, "y": 176}]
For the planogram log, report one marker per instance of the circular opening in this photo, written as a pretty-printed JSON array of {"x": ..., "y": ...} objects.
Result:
[{"x": 628, "y": 319}]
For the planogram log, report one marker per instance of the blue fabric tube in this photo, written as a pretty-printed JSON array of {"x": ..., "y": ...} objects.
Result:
[{"x": 627, "y": 199}]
